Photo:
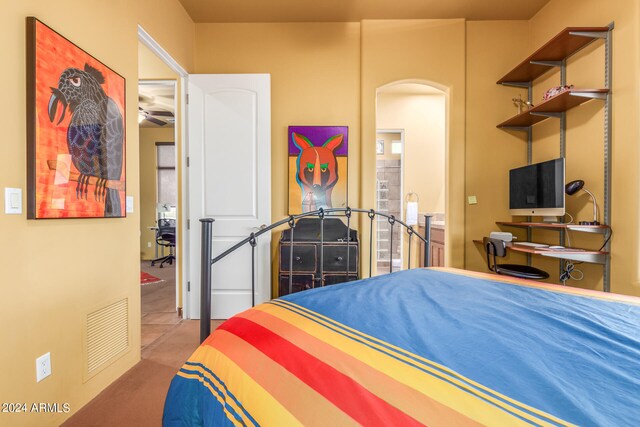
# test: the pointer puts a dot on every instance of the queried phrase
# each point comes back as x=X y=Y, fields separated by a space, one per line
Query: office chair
x=166 y=236
x=496 y=247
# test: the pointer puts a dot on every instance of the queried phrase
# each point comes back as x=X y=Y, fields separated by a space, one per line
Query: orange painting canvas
x=75 y=130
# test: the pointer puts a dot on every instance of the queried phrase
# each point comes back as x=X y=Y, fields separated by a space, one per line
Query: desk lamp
x=163 y=208
x=572 y=188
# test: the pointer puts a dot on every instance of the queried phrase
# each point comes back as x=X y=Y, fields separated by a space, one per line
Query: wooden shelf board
x=544 y=251
x=601 y=228
x=563 y=45
x=584 y=255
x=562 y=102
x=522 y=120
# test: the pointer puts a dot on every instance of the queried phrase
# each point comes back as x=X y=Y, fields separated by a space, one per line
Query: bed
x=437 y=347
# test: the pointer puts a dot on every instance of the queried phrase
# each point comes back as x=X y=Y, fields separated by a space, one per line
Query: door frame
x=182 y=234
x=402 y=195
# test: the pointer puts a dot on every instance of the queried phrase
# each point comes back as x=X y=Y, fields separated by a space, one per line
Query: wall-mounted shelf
x=575 y=254
x=567 y=42
x=554 y=55
x=552 y=107
x=600 y=229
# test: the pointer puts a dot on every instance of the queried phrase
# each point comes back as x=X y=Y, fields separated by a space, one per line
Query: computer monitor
x=537 y=189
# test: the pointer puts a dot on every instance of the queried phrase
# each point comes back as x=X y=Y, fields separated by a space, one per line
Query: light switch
x=473 y=200
x=129 y=204
x=13 y=201
x=16 y=201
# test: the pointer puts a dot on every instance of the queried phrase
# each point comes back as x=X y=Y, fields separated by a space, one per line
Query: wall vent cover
x=106 y=336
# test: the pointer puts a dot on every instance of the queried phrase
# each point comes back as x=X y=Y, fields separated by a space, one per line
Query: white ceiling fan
x=156 y=104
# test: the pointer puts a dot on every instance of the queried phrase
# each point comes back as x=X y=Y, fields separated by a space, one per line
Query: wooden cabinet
x=436 y=247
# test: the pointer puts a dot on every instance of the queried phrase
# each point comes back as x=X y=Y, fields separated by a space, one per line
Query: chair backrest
x=493 y=248
x=166 y=232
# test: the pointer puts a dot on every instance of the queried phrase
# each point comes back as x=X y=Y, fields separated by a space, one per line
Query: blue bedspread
x=538 y=354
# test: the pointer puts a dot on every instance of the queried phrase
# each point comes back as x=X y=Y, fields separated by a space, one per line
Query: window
x=167 y=181
x=396 y=147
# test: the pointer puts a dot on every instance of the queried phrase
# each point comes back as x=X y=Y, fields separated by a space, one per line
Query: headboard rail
x=207 y=261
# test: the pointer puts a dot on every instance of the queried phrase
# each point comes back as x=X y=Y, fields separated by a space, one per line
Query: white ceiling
x=215 y=11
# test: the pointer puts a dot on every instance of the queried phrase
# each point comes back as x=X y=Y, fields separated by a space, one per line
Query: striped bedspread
x=433 y=347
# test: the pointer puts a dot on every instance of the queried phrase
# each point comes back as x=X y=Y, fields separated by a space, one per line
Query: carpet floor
x=137 y=397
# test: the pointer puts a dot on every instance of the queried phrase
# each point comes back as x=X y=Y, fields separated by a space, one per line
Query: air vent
x=106 y=336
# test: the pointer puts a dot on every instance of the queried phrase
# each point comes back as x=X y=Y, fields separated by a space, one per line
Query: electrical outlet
x=148 y=244
x=473 y=200
x=43 y=367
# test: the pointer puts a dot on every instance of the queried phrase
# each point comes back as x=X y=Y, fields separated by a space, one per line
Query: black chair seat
x=521 y=271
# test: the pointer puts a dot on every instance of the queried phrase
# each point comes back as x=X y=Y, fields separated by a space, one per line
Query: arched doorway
x=410 y=168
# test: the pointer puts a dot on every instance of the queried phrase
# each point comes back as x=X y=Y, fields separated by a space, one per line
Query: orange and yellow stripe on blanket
x=346 y=377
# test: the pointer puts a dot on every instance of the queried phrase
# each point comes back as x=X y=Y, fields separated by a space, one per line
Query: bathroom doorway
x=389 y=190
x=410 y=170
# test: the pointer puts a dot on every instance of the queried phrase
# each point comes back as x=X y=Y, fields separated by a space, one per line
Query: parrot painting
x=95 y=136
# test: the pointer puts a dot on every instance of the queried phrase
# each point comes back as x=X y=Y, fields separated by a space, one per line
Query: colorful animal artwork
x=76 y=133
x=317 y=167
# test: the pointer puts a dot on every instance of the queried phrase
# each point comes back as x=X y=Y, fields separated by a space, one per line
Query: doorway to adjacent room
x=410 y=167
x=157 y=94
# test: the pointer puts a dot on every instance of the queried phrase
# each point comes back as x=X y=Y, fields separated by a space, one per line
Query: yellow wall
x=56 y=271
x=170 y=26
x=493 y=48
x=422 y=117
x=315 y=70
x=151 y=67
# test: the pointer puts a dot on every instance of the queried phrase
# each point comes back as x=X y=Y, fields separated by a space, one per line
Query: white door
x=229 y=132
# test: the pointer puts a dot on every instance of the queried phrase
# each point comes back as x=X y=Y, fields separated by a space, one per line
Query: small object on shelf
x=501 y=235
x=563 y=101
x=532 y=244
x=556 y=91
x=520 y=104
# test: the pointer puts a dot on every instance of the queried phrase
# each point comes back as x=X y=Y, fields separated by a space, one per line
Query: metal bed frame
x=207 y=261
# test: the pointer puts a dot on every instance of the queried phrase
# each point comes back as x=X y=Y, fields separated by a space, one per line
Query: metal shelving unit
x=554 y=55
